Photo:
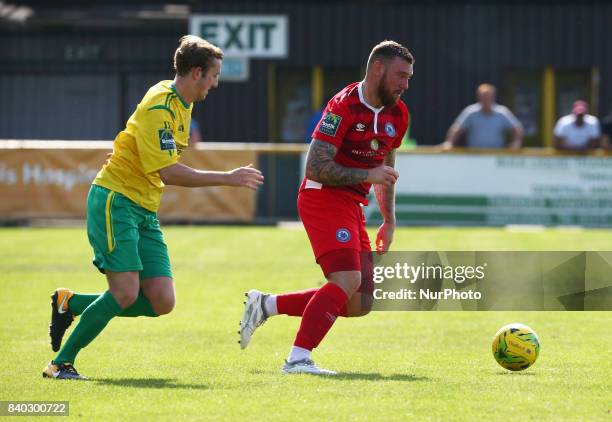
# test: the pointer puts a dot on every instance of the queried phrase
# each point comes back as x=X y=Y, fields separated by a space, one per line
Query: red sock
x=294 y=303
x=319 y=315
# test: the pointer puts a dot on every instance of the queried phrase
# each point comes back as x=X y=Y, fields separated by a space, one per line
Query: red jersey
x=364 y=135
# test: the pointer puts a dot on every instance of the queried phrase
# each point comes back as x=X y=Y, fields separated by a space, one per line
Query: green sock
x=79 y=302
x=92 y=322
x=142 y=307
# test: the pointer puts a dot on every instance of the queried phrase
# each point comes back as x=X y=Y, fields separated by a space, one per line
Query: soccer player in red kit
x=352 y=148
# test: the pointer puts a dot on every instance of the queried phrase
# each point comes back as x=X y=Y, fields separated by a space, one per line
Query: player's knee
x=124 y=287
x=164 y=304
x=361 y=305
x=125 y=297
x=349 y=281
x=366 y=290
x=360 y=313
x=353 y=284
x=366 y=307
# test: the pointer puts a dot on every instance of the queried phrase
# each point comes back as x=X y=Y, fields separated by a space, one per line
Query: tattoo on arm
x=385 y=195
x=321 y=167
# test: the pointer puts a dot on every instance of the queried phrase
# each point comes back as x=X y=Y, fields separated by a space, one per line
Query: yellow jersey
x=154 y=137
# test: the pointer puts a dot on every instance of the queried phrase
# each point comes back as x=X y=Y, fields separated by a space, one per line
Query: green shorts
x=124 y=235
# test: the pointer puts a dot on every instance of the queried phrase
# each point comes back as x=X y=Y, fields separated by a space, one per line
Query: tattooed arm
x=385 y=196
x=321 y=167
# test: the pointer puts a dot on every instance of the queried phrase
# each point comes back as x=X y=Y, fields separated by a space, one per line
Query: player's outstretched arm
x=182 y=175
x=385 y=196
x=321 y=167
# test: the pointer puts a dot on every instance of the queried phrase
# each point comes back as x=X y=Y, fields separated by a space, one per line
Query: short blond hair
x=194 y=51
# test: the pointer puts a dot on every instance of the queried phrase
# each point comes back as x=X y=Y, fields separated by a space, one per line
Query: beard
x=386 y=96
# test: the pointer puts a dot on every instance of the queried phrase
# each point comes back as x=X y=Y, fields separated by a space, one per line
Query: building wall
x=456 y=47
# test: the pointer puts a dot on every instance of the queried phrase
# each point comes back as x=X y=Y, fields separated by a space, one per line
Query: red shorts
x=335 y=225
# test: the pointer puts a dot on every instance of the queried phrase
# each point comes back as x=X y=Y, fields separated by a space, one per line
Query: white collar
x=364 y=102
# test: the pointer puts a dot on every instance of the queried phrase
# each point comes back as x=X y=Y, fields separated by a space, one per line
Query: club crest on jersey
x=329 y=124
x=374 y=144
x=390 y=129
x=343 y=235
x=166 y=139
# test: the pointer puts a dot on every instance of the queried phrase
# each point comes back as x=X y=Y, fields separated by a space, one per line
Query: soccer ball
x=516 y=347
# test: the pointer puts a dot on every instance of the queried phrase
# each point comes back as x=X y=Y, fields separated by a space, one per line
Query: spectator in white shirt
x=578 y=130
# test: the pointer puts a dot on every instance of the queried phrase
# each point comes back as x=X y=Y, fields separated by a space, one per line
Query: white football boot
x=254 y=315
x=305 y=366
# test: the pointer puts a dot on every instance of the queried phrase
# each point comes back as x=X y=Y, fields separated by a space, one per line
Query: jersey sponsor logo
x=374 y=144
x=365 y=154
x=343 y=235
x=360 y=127
x=330 y=123
x=166 y=139
x=390 y=129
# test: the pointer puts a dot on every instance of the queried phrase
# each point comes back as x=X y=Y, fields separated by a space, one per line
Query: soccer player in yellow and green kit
x=122 y=223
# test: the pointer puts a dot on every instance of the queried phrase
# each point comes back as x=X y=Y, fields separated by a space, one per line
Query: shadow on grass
x=365 y=376
x=517 y=373
x=149 y=383
x=375 y=376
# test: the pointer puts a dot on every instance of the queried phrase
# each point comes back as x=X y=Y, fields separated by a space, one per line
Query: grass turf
x=394 y=366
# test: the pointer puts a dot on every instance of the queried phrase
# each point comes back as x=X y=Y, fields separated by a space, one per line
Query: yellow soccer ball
x=516 y=347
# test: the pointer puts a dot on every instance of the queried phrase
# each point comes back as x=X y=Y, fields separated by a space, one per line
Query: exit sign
x=244 y=35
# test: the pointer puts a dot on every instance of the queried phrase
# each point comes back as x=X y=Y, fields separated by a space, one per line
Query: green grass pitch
x=423 y=366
